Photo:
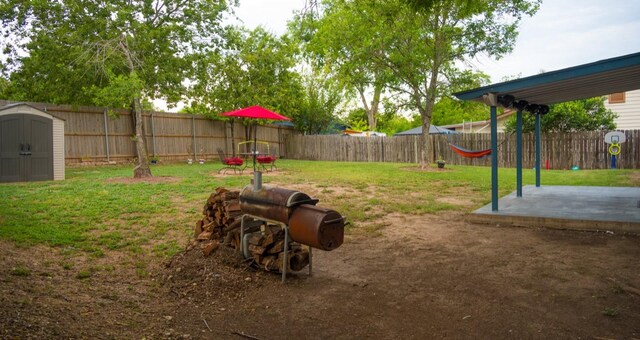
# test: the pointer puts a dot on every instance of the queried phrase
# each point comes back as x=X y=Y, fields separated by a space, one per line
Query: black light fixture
x=544 y=109
x=533 y=108
x=520 y=105
x=506 y=100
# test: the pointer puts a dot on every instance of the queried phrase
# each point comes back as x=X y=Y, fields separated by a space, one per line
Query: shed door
x=26 y=148
x=11 y=164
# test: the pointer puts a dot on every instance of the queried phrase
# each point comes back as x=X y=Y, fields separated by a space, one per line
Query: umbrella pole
x=255 y=144
x=257 y=175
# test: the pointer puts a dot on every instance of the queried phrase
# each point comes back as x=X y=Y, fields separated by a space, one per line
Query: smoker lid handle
x=335 y=220
x=312 y=201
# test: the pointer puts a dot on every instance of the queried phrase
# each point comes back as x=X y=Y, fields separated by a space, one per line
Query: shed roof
x=599 y=78
x=26 y=108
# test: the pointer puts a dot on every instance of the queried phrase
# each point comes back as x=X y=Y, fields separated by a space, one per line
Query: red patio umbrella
x=256 y=112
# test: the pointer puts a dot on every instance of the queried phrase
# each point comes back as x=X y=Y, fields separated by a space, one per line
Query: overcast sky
x=563 y=33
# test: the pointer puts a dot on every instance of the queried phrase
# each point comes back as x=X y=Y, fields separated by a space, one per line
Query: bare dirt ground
x=430 y=276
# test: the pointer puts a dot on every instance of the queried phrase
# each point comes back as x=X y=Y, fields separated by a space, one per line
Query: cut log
x=230 y=195
x=198 y=229
x=205 y=235
x=209 y=247
x=209 y=226
x=270 y=263
x=257 y=258
x=256 y=249
x=211 y=212
x=299 y=260
x=232 y=207
x=277 y=247
x=236 y=224
x=256 y=239
x=267 y=240
x=280 y=260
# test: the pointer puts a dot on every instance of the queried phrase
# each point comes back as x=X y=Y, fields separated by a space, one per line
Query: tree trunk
x=142 y=170
x=426 y=157
x=372 y=111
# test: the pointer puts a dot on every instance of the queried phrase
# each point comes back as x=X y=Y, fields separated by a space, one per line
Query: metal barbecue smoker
x=295 y=212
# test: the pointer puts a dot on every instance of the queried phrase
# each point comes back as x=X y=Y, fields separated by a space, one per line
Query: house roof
x=418 y=131
x=599 y=78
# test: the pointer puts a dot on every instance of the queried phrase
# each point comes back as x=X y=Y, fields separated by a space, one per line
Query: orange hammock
x=470 y=153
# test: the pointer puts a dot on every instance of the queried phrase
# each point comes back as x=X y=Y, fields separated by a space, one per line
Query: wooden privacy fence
x=586 y=150
x=91 y=135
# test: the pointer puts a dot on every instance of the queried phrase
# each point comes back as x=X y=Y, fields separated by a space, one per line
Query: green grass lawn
x=91 y=212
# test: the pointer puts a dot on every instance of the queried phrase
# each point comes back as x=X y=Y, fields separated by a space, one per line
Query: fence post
x=106 y=136
x=193 y=129
x=226 y=137
x=153 y=134
x=280 y=144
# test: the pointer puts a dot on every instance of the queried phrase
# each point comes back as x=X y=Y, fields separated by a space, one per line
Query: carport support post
x=494 y=159
x=519 y=153
x=537 y=150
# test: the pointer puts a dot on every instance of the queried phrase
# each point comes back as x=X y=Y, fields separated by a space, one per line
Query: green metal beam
x=607 y=67
x=519 y=153
x=494 y=158
x=537 y=150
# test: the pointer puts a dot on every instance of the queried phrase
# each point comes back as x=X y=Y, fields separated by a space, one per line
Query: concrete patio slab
x=614 y=209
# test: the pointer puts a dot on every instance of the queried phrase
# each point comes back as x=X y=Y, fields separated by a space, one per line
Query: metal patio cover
x=619 y=74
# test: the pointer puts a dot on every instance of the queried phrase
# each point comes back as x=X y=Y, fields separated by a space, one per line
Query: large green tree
x=390 y=120
x=340 y=43
x=112 y=52
x=319 y=105
x=578 y=115
x=449 y=110
x=251 y=68
x=421 y=44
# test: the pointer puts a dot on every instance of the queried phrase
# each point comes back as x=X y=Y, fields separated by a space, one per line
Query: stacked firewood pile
x=221 y=225
x=266 y=248
x=221 y=213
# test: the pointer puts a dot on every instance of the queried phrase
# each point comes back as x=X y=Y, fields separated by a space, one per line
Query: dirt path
x=424 y=277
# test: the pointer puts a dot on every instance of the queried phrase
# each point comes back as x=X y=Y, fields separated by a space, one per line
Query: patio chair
x=267 y=160
x=230 y=163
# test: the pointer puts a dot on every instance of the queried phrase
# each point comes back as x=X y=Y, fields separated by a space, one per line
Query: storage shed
x=31 y=144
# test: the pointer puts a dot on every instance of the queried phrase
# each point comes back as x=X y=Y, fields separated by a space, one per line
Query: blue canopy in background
x=433 y=129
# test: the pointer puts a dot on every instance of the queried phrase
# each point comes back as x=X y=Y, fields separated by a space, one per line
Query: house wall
x=628 y=112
